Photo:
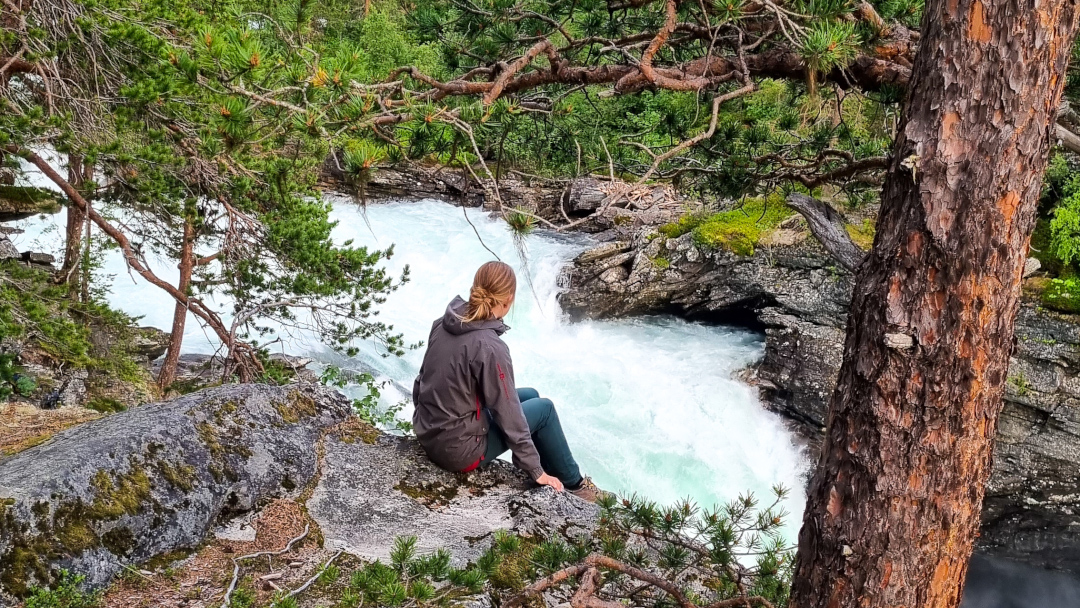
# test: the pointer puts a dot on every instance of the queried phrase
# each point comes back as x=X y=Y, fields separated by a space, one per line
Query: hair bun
x=482 y=296
x=493 y=285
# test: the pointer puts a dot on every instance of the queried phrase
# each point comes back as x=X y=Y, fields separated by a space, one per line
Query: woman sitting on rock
x=468 y=410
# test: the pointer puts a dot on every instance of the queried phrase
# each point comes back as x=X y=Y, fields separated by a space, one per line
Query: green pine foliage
x=39 y=314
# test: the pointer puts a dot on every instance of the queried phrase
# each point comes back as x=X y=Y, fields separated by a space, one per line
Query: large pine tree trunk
x=167 y=373
x=893 y=507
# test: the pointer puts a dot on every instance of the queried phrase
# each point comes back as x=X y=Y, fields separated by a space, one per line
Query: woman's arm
x=497 y=391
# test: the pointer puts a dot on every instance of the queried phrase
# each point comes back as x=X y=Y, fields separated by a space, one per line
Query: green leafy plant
x=67 y=594
x=1019 y=382
x=829 y=44
x=1062 y=295
x=1065 y=223
x=368 y=407
x=520 y=222
x=410 y=576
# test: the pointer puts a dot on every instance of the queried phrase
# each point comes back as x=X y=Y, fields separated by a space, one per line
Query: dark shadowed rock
x=150 y=342
x=375 y=488
x=21 y=202
x=799 y=296
x=154 y=479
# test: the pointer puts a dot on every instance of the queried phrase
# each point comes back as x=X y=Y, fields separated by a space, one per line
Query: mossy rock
x=20 y=202
x=737 y=230
x=862 y=235
x=122 y=489
x=715 y=236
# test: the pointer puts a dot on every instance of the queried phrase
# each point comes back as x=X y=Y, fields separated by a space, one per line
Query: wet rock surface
x=793 y=291
x=155 y=479
x=375 y=488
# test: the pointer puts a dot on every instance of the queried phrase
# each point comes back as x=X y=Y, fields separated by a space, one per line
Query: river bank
x=792 y=292
x=796 y=293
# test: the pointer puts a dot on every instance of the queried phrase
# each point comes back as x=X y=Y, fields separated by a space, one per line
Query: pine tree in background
x=197 y=167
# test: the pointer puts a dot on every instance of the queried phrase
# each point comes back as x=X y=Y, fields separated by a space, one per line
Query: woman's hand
x=548 y=480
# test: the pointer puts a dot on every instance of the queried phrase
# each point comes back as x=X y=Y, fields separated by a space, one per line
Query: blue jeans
x=547 y=436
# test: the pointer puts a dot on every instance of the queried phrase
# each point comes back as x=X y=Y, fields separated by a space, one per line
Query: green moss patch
x=105 y=405
x=210 y=438
x=738 y=230
x=355 y=429
x=219 y=446
x=118 y=495
x=862 y=235
x=297 y=407
x=119 y=541
x=70 y=527
x=180 y=475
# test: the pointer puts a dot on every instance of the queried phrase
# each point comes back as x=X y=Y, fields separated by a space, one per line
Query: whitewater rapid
x=649 y=405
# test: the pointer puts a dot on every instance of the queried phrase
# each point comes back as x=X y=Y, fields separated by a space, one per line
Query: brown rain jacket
x=467 y=368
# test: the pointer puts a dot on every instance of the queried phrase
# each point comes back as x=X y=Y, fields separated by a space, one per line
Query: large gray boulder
x=153 y=480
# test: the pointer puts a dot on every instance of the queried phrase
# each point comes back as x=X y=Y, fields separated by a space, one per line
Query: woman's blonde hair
x=494 y=284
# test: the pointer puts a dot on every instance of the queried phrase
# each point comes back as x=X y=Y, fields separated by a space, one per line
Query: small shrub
x=367 y=408
x=67 y=594
x=329 y=575
x=520 y=222
x=1020 y=383
x=23 y=385
x=1062 y=295
x=242 y=598
x=285 y=602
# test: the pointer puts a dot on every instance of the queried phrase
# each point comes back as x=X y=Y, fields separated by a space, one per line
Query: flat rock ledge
x=155 y=479
x=375 y=488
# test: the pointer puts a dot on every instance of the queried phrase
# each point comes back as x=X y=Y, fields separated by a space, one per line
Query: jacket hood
x=457 y=309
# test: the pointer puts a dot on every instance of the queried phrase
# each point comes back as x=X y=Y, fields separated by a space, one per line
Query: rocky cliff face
x=793 y=290
x=589 y=204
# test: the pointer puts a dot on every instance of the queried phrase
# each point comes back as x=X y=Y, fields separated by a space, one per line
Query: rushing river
x=649 y=405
